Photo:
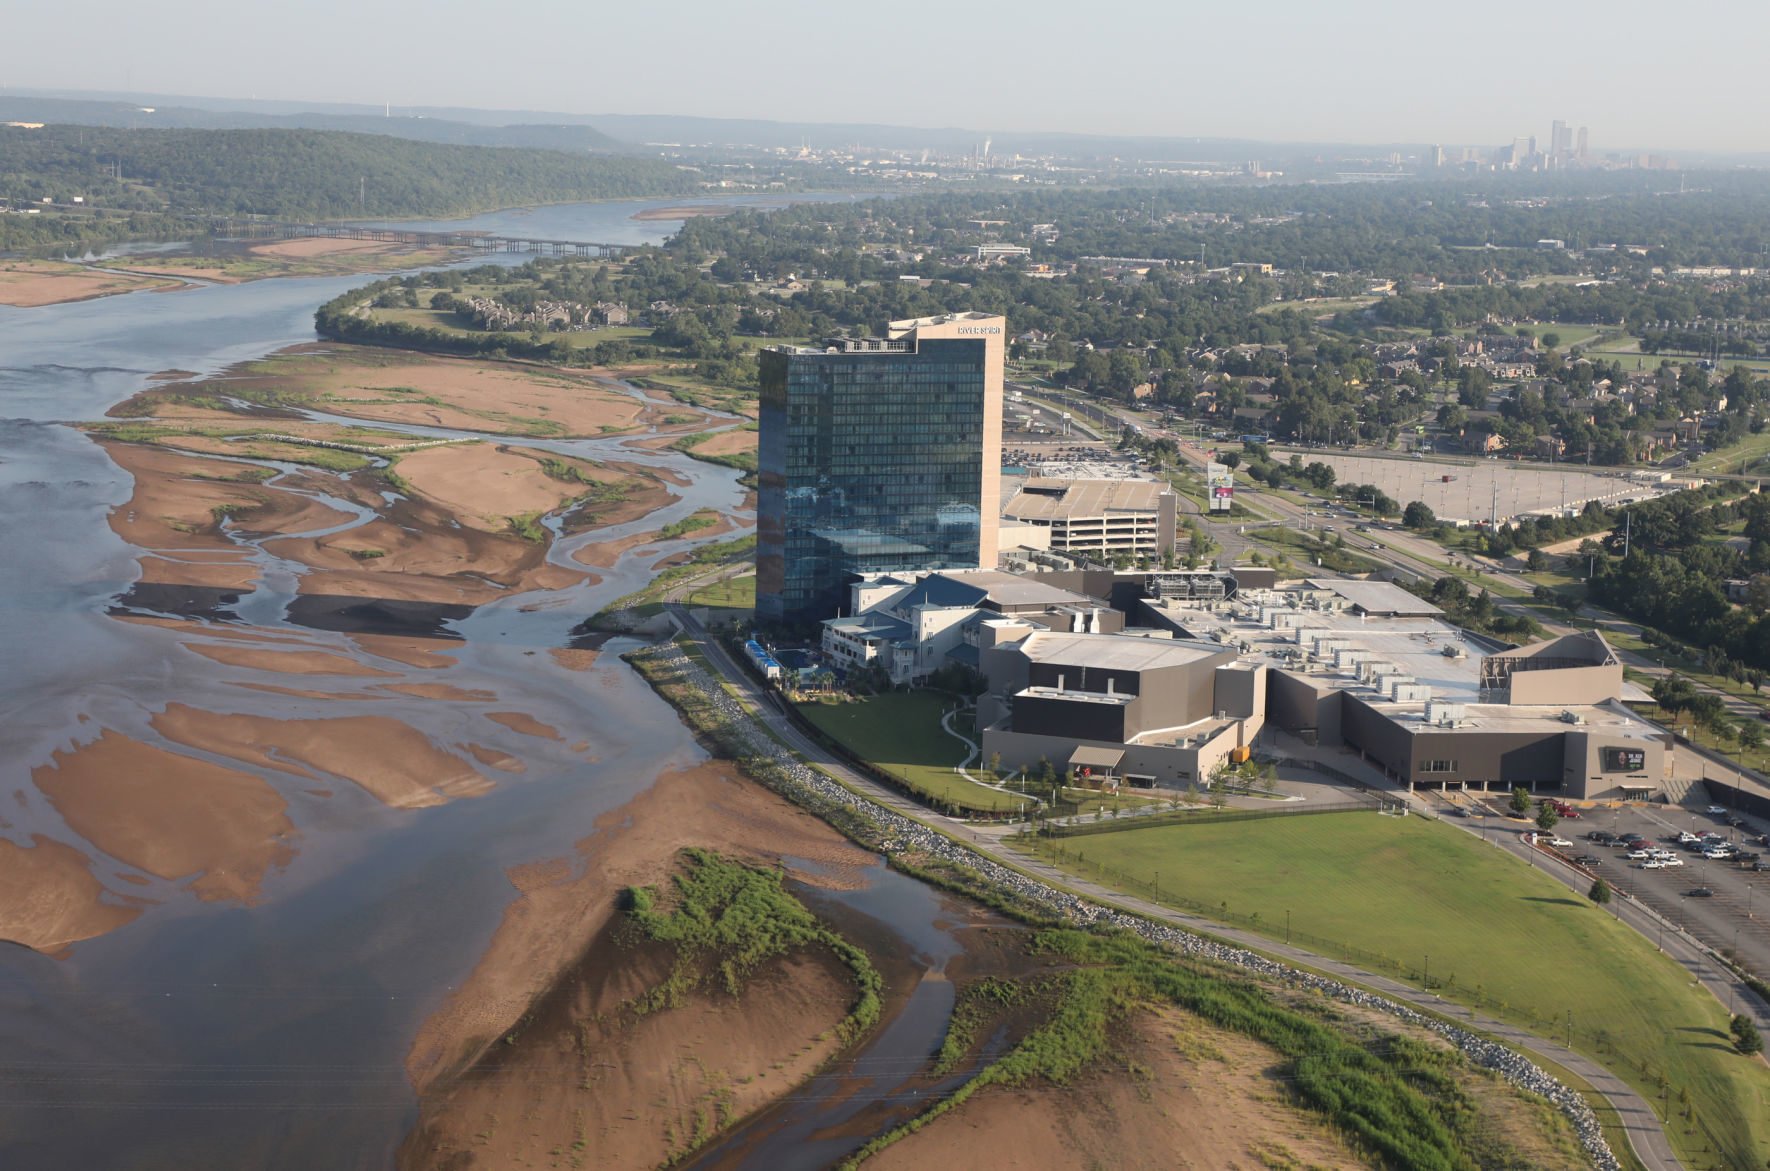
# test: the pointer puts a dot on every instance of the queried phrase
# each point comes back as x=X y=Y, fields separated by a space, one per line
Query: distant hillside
x=307 y=173
x=132 y=116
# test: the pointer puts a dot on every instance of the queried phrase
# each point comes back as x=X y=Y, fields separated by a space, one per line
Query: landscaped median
x=1427 y=902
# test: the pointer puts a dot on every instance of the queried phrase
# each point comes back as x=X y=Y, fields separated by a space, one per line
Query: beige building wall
x=1566 y=686
x=993 y=332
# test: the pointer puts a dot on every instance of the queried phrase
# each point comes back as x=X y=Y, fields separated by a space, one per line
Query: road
x=1642 y=1125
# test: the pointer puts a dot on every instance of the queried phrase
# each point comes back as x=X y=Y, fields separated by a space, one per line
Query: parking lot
x=1737 y=916
x=1471 y=492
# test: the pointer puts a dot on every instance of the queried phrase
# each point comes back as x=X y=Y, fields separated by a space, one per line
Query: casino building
x=877 y=455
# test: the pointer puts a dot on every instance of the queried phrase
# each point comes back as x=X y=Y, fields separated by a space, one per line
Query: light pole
x=1426 y=974
x=1287 y=926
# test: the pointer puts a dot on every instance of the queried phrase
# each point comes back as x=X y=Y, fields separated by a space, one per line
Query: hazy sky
x=1678 y=74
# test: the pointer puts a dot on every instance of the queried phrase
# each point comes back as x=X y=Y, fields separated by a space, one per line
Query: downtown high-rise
x=877 y=455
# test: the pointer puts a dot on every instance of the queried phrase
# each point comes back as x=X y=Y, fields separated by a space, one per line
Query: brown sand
x=496 y=758
x=394 y=762
x=286 y=662
x=171 y=815
x=321 y=246
x=683 y=213
x=484 y=485
x=1201 y=1097
x=52 y=898
x=630 y=1089
x=524 y=723
x=573 y=658
x=26 y=284
x=439 y=691
x=729 y=443
x=604 y=554
x=300 y=692
x=550 y=924
x=427 y=653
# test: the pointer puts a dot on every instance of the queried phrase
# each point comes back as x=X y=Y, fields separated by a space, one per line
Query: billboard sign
x=1622 y=760
x=1219 y=486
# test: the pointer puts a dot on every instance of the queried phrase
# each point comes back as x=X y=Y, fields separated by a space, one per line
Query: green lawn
x=1492 y=931
x=731 y=593
x=900 y=732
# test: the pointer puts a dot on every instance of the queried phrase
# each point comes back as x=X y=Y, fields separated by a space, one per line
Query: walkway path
x=1638 y=1119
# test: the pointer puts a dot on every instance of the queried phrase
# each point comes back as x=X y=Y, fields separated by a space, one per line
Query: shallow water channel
x=218 y=1034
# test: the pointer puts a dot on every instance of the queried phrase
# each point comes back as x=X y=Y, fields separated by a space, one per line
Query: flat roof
x=1085 y=757
x=1378 y=597
x=1011 y=589
x=1115 y=652
x=1042 y=498
x=1413 y=646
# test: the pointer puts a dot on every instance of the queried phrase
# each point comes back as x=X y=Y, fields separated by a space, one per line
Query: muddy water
x=211 y=1034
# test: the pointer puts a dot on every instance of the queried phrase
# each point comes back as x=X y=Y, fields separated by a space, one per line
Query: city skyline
x=1374 y=73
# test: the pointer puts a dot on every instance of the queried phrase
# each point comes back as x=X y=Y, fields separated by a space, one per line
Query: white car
x=1671 y=861
x=1717 y=853
x=1559 y=842
x=1686 y=837
x=1717 y=811
x=1662 y=854
x=1638 y=855
x=1653 y=864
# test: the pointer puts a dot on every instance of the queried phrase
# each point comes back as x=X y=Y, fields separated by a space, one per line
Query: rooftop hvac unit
x=1572 y=717
x=1390 y=684
x=1438 y=712
x=1453 y=651
x=1412 y=692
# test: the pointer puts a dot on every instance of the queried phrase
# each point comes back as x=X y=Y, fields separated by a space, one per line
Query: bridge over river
x=257 y=229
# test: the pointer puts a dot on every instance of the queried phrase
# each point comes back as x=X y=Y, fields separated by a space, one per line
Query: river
x=210 y=1034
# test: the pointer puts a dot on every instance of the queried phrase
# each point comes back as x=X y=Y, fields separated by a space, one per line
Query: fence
x=1207 y=817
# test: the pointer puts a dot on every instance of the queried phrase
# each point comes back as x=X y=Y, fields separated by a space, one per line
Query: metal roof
x=1378 y=598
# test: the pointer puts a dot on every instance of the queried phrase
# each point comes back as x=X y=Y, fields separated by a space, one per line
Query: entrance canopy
x=1103 y=758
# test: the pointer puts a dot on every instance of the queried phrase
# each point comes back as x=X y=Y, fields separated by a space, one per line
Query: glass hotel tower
x=876 y=455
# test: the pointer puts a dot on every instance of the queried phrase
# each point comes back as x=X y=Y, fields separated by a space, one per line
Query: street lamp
x=1287 y=926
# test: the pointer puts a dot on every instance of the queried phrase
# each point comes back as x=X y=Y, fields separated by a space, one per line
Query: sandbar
x=52 y=898
x=171 y=815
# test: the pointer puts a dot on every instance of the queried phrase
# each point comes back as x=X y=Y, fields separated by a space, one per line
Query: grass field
x=900 y=732
x=731 y=593
x=1492 y=932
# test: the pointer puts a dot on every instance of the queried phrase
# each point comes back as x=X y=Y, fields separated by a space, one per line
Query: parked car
x=1589 y=860
x=1717 y=853
x=1686 y=837
x=1600 y=835
x=1559 y=842
x=1761 y=865
x=1671 y=861
x=1700 y=892
x=1652 y=864
x=1637 y=855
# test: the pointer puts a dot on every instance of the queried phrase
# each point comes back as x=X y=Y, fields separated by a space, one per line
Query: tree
x=1746 y=1040
x=1520 y=801
x=1751 y=736
x=1600 y=892
x=1230 y=459
x=1418 y=516
x=1546 y=817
